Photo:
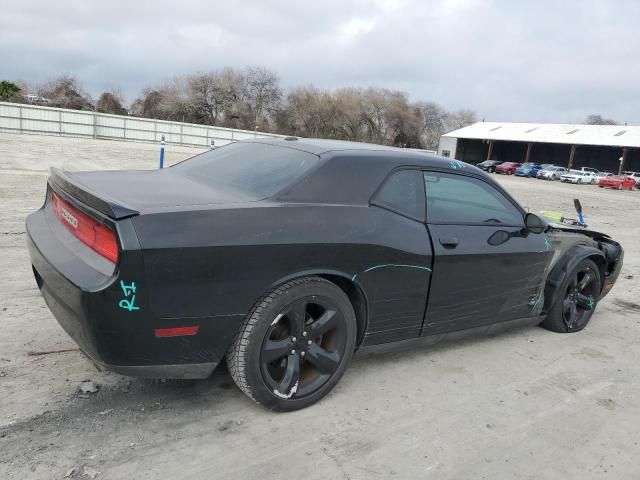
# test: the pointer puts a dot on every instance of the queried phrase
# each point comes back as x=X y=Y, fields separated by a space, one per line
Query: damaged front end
x=571 y=245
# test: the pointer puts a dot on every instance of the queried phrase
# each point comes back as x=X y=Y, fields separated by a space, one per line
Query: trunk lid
x=125 y=193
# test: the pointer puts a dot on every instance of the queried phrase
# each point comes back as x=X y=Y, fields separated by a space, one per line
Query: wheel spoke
x=327 y=321
x=324 y=361
x=573 y=314
x=586 y=280
x=275 y=349
x=290 y=381
x=574 y=282
x=297 y=315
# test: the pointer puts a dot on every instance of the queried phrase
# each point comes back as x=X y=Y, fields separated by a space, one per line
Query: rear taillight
x=88 y=230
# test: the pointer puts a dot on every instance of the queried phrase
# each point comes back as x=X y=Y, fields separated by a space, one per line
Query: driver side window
x=453 y=199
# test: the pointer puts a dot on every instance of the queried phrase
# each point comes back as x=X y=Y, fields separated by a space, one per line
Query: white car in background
x=601 y=175
x=595 y=171
x=551 y=173
x=578 y=177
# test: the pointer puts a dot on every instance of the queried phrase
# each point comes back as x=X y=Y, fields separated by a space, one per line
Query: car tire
x=579 y=182
x=619 y=187
x=576 y=303
x=295 y=344
x=491 y=170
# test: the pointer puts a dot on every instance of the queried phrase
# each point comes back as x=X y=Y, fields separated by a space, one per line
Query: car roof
x=352 y=171
x=322 y=147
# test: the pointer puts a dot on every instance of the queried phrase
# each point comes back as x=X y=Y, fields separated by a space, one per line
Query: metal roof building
x=572 y=145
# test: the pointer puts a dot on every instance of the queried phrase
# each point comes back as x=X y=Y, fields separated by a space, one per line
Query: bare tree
x=252 y=99
x=599 y=120
x=262 y=96
x=214 y=94
x=111 y=102
x=350 y=124
x=308 y=112
x=460 y=119
x=433 y=123
x=66 y=92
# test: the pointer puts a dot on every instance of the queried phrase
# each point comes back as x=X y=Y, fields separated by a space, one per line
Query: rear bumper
x=180 y=372
x=85 y=303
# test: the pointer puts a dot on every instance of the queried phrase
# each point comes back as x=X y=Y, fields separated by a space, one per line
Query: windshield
x=257 y=169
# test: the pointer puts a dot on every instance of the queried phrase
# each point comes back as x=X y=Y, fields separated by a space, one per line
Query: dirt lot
x=526 y=404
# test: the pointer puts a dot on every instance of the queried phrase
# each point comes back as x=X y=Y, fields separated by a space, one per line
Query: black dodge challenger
x=285 y=256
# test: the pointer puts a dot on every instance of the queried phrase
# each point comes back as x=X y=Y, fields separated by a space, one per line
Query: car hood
x=152 y=189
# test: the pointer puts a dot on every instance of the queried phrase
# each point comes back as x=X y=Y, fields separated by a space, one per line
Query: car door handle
x=449 y=242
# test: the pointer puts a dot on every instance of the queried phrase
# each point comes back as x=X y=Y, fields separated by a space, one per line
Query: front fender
x=564 y=266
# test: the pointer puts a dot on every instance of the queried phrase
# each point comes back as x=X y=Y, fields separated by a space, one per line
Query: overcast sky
x=553 y=61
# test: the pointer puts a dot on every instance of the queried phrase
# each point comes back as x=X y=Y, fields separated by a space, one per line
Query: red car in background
x=508 y=168
x=619 y=182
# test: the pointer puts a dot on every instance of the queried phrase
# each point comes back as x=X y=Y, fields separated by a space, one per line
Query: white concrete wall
x=20 y=118
x=448 y=143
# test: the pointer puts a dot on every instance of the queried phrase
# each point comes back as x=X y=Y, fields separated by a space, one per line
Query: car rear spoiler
x=64 y=181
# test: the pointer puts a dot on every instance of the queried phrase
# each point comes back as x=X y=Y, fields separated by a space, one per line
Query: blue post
x=161 y=151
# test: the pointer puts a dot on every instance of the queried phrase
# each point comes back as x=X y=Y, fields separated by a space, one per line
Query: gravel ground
x=525 y=404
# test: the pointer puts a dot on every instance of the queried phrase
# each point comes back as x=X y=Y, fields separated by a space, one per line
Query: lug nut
x=302 y=354
x=293 y=352
x=309 y=342
x=293 y=339
x=304 y=334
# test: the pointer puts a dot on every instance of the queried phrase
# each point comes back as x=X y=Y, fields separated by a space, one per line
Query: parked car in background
x=579 y=177
x=508 y=168
x=525 y=169
x=619 y=182
x=601 y=175
x=489 y=165
x=635 y=176
x=586 y=169
x=551 y=173
x=538 y=168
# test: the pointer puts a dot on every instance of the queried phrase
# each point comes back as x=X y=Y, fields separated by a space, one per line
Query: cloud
x=534 y=61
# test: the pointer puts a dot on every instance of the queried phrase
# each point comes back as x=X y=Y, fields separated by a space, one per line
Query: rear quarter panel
x=219 y=262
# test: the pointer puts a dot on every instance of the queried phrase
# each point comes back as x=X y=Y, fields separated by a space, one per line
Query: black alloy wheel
x=295 y=344
x=577 y=300
x=580 y=297
x=303 y=347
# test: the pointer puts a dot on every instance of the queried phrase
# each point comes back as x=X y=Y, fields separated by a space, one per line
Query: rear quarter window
x=403 y=192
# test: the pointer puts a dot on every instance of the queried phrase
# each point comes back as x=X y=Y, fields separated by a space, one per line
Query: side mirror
x=534 y=223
